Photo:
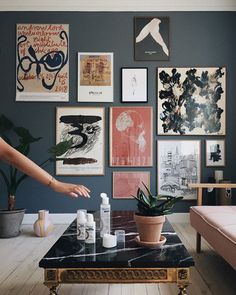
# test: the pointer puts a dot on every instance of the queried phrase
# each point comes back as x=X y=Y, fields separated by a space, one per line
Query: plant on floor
x=21 y=139
x=150 y=205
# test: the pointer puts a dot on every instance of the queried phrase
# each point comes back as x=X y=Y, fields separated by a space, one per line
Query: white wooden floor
x=20 y=274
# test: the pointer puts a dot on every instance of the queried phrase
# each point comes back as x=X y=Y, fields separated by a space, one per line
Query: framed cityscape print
x=126 y=184
x=215 y=152
x=151 y=41
x=95 y=77
x=178 y=164
x=191 y=101
x=134 y=84
x=85 y=127
x=42 y=62
x=131 y=136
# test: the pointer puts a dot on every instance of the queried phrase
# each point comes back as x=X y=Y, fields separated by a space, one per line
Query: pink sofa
x=217 y=224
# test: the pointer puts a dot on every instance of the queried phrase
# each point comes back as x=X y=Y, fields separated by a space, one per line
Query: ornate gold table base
x=56 y=276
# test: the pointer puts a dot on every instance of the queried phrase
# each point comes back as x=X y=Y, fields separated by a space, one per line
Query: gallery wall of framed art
x=123 y=91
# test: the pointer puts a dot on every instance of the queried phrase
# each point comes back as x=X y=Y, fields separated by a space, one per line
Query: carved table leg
x=182 y=290
x=53 y=290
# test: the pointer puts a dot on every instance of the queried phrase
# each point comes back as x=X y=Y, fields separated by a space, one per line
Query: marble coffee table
x=70 y=261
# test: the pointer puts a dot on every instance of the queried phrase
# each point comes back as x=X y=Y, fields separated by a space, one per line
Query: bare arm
x=18 y=160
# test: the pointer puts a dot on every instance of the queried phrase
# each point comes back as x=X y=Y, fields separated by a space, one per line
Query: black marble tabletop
x=68 y=252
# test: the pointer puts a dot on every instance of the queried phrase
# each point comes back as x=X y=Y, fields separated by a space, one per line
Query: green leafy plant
x=21 y=139
x=150 y=205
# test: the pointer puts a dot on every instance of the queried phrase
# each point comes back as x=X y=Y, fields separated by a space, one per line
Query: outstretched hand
x=70 y=189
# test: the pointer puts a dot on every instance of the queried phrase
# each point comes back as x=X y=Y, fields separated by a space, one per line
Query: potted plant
x=150 y=215
x=21 y=139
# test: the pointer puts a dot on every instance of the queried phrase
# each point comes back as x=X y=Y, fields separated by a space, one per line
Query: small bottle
x=81 y=222
x=90 y=235
x=105 y=215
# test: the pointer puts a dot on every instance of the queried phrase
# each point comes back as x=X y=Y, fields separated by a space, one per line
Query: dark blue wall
x=199 y=39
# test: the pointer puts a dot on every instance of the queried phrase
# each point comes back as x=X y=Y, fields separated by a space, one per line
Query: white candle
x=218 y=175
x=109 y=241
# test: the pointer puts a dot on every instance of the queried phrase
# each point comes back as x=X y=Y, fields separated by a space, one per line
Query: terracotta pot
x=149 y=227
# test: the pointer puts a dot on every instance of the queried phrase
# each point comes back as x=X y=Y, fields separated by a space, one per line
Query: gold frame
x=55 y=276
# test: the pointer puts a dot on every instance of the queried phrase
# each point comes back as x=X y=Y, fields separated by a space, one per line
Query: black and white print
x=151 y=38
x=178 y=165
x=215 y=152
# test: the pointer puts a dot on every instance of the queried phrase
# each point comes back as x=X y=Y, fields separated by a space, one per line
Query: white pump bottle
x=105 y=215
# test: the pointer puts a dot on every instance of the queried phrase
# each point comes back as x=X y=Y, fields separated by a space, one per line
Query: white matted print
x=134 y=84
x=126 y=184
x=42 y=62
x=215 y=152
x=191 y=101
x=178 y=165
x=85 y=126
x=95 y=76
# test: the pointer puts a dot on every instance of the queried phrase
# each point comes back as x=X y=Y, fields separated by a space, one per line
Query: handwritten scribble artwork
x=151 y=38
x=191 y=101
x=178 y=165
x=126 y=184
x=134 y=84
x=95 y=77
x=42 y=67
x=131 y=136
x=215 y=152
x=85 y=127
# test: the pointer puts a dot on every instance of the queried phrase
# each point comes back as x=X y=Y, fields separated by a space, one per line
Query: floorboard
x=20 y=274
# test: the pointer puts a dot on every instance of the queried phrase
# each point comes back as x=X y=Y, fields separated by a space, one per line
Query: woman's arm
x=24 y=164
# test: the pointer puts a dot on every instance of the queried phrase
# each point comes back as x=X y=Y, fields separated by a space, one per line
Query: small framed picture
x=151 y=40
x=215 y=152
x=126 y=184
x=134 y=84
x=95 y=77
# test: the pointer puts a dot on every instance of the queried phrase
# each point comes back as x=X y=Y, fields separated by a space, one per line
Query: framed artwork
x=191 y=101
x=85 y=126
x=151 y=38
x=131 y=136
x=134 y=84
x=215 y=152
x=42 y=62
x=126 y=184
x=95 y=77
x=178 y=164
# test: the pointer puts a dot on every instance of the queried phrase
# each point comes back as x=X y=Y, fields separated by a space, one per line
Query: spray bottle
x=105 y=215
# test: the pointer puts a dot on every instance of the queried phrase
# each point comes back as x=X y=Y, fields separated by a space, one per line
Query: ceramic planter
x=149 y=227
x=10 y=222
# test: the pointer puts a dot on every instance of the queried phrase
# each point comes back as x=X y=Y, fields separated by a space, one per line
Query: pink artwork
x=131 y=136
x=126 y=184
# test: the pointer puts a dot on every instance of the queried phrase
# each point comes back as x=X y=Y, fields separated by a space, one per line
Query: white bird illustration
x=152 y=28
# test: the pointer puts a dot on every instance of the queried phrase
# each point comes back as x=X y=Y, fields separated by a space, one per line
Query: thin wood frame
x=92 y=162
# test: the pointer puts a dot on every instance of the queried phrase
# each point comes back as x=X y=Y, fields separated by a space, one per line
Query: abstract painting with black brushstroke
x=85 y=127
x=191 y=101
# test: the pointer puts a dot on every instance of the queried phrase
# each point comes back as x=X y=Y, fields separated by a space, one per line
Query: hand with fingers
x=70 y=189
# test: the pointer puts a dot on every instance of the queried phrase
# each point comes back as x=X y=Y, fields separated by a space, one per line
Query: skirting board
x=56 y=218
x=67 y=218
